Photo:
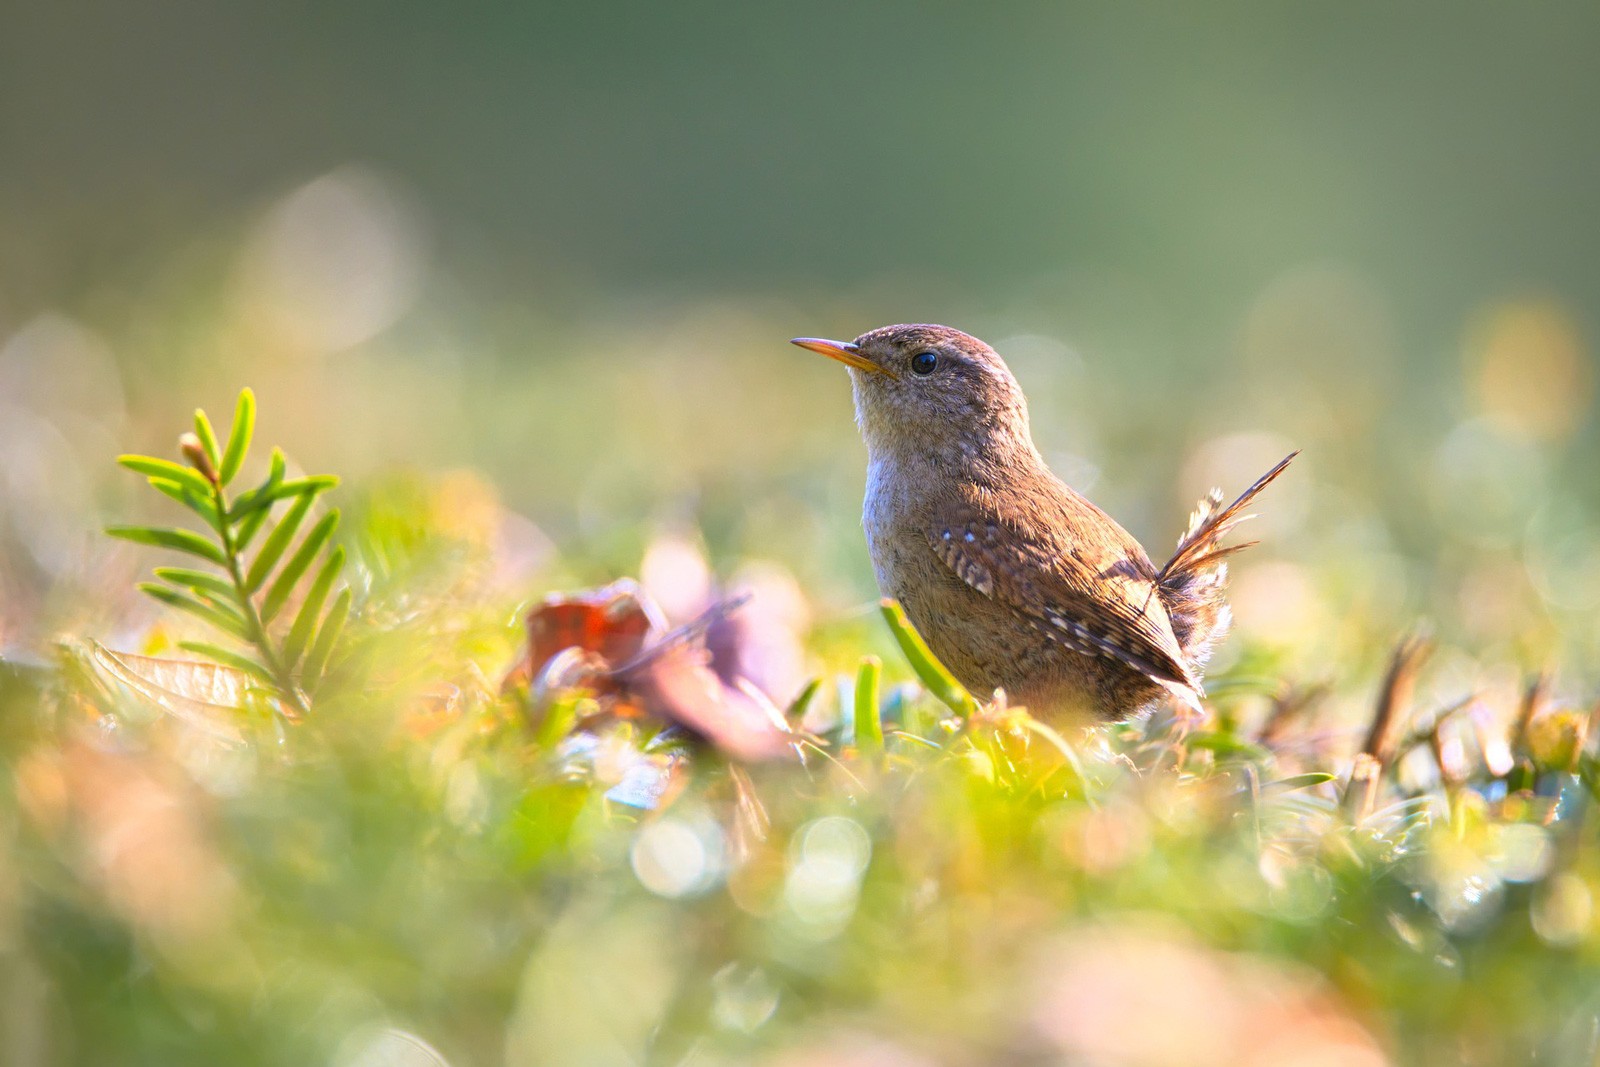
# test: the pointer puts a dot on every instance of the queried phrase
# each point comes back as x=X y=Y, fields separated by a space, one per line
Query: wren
x=1016 y=581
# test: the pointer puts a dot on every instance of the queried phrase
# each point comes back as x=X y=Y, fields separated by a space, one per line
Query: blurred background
x=550 y=255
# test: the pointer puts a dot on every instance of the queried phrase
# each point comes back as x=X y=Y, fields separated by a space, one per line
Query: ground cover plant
x=345 y=802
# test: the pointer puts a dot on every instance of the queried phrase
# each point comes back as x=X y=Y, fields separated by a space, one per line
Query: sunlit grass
x=442 y=851
x=430 y=861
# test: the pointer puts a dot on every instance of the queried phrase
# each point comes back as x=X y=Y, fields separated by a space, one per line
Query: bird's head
x=930 y=390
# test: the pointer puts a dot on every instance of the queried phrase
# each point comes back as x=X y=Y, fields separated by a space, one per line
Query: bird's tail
x=1195 y=580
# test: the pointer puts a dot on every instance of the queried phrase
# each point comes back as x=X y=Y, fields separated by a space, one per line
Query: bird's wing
x=1090 y=597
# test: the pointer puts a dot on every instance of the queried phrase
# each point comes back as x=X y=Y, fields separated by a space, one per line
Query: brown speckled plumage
x=1016 y=581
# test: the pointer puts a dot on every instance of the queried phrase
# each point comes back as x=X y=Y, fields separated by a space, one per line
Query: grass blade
x=1301 y=781
x=868 y=723
x=276 y=542
x=802 y=702
x=244 y=426
x=177 y=540
x=933 y=674
x=1228 y=746
x=284 y=583
x=306 y=620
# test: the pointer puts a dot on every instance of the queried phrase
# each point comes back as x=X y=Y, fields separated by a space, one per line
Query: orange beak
x=844 y=352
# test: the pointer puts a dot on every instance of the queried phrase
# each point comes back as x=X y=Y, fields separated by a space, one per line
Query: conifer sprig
x=244 y=595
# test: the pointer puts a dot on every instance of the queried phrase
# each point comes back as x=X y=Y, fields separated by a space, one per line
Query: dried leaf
x=1394 y=696
x=205 y=695
x=612 y=643
x=615 y=622
x=571 y=668
x=678 y=686
x=763 y=642
x=610 y=625
x=751 y=823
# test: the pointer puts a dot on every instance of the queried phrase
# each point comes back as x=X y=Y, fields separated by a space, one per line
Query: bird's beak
x=844 y=352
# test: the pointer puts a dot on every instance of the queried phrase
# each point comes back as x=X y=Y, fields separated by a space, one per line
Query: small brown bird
x=1016 y=581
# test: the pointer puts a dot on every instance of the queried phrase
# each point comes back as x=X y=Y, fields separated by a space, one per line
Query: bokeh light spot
x=673 y=859
x=1532 y=374
x=335 y=263
x=387 y=1047
x=824 y=883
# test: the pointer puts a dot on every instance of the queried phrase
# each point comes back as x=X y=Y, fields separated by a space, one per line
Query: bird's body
x=1016 y=581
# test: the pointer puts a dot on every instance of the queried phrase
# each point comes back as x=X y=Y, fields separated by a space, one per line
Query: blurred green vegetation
x=415 y=873
x=523 y=277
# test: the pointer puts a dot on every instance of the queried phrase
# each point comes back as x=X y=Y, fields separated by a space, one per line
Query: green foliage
x=244 y=427
x=961 y=889
x=289 y=660
x=866 y=713
x=940 y=880
x=933 y=674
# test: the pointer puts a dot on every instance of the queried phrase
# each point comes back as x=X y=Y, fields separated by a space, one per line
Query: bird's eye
x=924 y=362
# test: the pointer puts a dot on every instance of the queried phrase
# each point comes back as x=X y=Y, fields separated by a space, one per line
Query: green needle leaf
x=179 y=540
x=211 y=612
x=300 y=632
x=802 y=702
x=209 y=585
x=284 y=583
x=248 y=528
x=154 y=468
x=270 y=493
x=208 y=436
x=276 y=542
x=327 y=638
x=200 y=505
x=244 y=426
x=246 y=531
x=231 y=659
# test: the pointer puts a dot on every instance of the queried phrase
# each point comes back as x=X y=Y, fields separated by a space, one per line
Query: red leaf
x=612 y=642
x=614 y=622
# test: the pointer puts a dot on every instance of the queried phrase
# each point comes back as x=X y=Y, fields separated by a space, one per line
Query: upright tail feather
x=1194 y=582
